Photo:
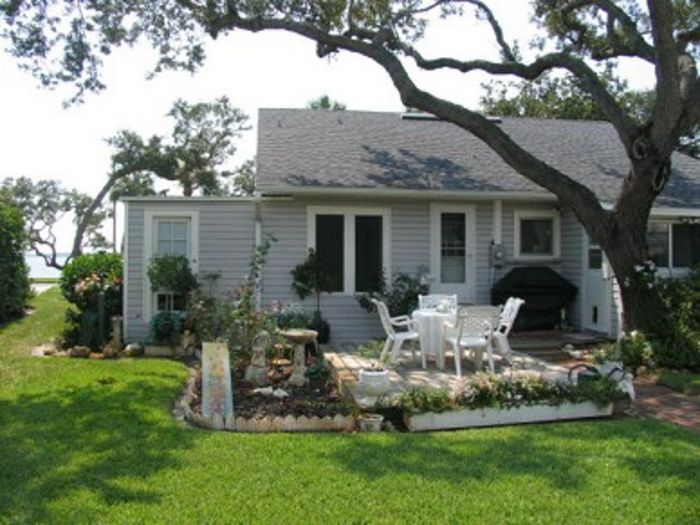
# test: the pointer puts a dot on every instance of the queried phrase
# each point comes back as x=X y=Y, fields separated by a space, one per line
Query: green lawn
x=682 y=381
x=93 y=441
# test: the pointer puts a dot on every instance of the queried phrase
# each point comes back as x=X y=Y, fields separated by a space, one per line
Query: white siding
x=226 y=239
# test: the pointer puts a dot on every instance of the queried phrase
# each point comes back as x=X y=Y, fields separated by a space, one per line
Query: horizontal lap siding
x=134 y=328
x=226 y=242
x=484 y=238
x=572 y=261
x=226 y=239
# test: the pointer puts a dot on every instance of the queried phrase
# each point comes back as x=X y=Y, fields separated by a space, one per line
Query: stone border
x=487 y=417
x=183 y=411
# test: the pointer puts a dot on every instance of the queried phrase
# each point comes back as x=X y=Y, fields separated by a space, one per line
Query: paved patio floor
x=408 y=374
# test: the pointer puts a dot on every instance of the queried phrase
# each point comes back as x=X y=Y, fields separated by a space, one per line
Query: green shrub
x=635 y=351
x=401 y=297
x=81 y=282
x=89 y=274
x=166 y=327
x=14 y=274
x=676 y=337
x=172 y=273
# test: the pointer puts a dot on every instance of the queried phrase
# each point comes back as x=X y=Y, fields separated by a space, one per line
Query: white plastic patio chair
x=395 y=339
x=473 y=333
x=505 y=325
x=431 y=302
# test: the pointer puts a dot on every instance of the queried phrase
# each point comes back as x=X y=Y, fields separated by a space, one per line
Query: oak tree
x=65 y=41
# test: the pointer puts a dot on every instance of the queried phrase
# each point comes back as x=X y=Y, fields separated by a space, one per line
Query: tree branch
x=625 y=126
x=88 y=215
x=573 y=194
x=667 y=109
x=506 y=50
x=636 y=45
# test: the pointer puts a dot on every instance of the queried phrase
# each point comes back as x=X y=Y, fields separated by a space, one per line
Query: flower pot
x=374 y=381
x=371 y=422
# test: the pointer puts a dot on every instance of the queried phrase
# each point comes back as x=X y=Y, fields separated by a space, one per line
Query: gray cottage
x=375 y=192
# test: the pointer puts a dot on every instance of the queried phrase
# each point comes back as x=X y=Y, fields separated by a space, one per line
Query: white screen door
x=453 y=241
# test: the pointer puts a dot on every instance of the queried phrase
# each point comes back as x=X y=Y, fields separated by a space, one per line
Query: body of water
x=38 y=268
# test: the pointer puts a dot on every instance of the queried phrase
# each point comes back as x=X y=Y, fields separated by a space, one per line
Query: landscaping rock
x=110 y=350
x=79 y=351
x=132 y=350
x=46 y=349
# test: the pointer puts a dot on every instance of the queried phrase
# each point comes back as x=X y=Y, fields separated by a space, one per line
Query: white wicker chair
x=431 y=302
x=394 y=339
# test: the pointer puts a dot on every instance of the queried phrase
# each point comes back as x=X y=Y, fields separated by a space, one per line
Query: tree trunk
x=623 y=238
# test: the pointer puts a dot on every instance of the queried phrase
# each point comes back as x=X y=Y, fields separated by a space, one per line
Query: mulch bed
x=319 y=397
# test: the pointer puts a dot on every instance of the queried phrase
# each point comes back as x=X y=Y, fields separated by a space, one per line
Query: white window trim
x=150 y=217
x=349 y=214
x=519 y=215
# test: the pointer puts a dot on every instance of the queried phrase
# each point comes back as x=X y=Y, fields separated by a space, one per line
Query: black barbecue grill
x=545 y=293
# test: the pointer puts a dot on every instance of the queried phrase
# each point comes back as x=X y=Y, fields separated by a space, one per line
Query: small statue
x=256 y=371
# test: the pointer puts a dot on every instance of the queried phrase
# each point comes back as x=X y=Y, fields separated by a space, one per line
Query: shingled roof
x=306 y=149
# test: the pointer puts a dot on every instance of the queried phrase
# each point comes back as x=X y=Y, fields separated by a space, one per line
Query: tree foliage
x=65 y=41
x=326 y=103
x=194 y=154
x=14 y=274
x=44 y=203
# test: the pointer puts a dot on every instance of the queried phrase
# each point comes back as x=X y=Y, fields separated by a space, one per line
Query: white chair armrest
x=400 y=319
x=450 y=326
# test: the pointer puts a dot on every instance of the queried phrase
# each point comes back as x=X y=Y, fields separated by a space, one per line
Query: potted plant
x=311 y=278
x=170 y=274
x=374 y=377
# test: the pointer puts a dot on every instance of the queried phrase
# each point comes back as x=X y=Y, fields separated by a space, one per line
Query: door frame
x=469 y=210
x=606 y=276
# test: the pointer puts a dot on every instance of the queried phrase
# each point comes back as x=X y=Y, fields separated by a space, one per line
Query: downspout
x=258 y=242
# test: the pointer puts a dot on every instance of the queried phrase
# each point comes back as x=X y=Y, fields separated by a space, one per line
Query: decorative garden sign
x=217 y=399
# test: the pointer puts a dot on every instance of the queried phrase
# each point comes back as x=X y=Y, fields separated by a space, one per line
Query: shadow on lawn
x=565 y=455
x=86 y=439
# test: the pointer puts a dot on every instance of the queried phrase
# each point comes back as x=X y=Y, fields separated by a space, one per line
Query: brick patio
x=662 y=403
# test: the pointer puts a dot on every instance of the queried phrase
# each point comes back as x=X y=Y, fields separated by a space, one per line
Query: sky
x=39 y=138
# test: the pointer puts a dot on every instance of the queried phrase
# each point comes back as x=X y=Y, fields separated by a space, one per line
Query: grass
x=685 y=382
x=44 y=280
x=93 y=441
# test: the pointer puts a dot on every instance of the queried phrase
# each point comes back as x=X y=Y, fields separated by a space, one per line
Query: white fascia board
x=422 y=194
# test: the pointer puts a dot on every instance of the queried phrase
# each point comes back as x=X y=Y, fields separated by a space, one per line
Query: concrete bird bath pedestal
x=299 y=338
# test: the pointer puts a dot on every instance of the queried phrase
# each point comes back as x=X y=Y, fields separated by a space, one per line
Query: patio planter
x=370 y=422
x=374 y=381
x=487 y=417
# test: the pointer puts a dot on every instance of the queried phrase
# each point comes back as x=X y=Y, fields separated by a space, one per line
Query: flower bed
x=314 y=407
x=489 y=399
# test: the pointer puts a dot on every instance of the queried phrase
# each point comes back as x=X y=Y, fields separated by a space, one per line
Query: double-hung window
x=170 y=232
x=172 y=238
x=352 y=245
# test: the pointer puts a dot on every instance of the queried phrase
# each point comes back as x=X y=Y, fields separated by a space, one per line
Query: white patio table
x=431 y=327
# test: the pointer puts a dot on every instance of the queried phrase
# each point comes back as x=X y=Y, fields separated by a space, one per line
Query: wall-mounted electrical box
x=498 y=255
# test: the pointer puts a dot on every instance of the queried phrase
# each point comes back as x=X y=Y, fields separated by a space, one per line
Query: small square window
x=537 y=236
